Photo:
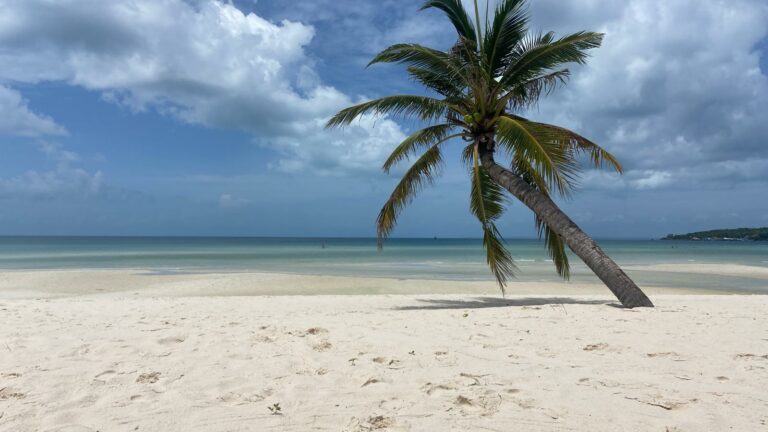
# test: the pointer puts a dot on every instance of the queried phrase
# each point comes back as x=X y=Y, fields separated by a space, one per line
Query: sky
x=204 y=117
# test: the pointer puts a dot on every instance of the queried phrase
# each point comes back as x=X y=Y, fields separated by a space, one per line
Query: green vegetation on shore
x=753 y=234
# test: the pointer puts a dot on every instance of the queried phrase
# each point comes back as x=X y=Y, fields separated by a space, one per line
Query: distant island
x=738 y=234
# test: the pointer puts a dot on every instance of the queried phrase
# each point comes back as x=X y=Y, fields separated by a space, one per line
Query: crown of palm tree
x=492 y=74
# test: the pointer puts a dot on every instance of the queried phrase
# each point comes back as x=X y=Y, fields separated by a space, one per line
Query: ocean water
x=451 y=259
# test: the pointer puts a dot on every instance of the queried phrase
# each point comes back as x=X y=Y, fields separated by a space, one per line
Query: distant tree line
x=753 y=234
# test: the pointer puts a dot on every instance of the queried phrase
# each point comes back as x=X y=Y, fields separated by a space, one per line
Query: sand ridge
x=150 y=283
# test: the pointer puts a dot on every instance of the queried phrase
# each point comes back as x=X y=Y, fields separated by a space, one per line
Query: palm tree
x=493 y=73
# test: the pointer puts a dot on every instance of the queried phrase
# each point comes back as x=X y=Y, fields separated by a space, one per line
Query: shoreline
x=154 y=283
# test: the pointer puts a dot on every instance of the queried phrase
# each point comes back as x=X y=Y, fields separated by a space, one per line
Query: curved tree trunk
x=580 y=243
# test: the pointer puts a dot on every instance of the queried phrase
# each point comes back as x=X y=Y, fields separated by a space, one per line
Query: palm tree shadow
x=495 y=302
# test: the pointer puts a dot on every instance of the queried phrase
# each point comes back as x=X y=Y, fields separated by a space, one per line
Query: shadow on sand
x=495 y=302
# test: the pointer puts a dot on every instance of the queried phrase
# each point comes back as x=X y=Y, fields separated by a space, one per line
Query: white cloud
x=204 y=63
x=676 y=91
x=64 y=179
x=18 y=119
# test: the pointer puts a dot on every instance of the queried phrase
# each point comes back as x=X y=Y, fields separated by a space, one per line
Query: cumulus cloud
x=204 y=62
x=65 y=179
x=676 y=90
x=18 y=119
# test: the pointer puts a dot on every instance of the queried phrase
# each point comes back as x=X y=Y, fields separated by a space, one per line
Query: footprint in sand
x=660 y=402
x=390 y=363
x=103 y=377
x=595 y=383
x=372 y=381
x=751 y=357
x=486 y=404
x=148 y=378
x=7 y=393
x=263 y=339
x=473 y=380
x=81 y=351
x=670 y=354
x=322 y=346
x=170 y=340
x=596 y=347
x=369 y=424
x=430 y=388
x=105 y=373
x=314 y=331
x=239 y=398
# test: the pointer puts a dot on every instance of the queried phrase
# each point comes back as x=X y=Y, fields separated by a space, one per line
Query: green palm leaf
x=415 y=55
x=551 y=158
x=427 y=137
x=555 y=247
x=509 y=25
x=487 y=204
x=599 y=156
x=425 y=108
x=540 y=54
x=528 y=93
x=421 y=173
x=441 y=83
x=457 y=14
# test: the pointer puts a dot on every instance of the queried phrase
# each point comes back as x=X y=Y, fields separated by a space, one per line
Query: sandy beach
x=166 y=356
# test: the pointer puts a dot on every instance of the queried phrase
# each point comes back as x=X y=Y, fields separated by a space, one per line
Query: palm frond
x=421 y=173
x=468 y=156
x=538 y=55
x=556 y=248
x=441 y=83
x=457 y=14
x=528 y=93
x=426 y=108
x=599 y=156
x=487 y=199
x=522 y=166
x=422 y=57
x=509 y=25
x=476 y=77
x=428 y=137
x=487 y=204
x=497 y=256
x=552 y=159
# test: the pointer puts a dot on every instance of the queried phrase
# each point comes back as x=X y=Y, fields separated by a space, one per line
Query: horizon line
x=282 y=237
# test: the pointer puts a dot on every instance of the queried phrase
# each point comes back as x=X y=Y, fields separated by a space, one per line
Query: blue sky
x=172 y=117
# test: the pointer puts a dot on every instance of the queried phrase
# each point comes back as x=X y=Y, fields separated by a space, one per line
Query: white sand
x=114 y=361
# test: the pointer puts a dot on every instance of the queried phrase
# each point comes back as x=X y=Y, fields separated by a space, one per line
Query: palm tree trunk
x=580 y=243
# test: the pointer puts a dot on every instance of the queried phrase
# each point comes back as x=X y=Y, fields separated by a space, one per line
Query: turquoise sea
x=453 y=259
